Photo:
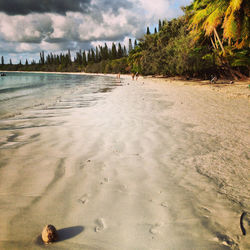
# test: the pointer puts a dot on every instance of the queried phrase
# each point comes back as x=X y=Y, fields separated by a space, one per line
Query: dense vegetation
x=212 y=37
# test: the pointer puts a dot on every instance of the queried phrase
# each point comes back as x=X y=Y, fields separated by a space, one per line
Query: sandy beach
x=153 y=164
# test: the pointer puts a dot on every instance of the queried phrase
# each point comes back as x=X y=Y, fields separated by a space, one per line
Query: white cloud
x=155 y=9
x=105 y=20
x=31 y=28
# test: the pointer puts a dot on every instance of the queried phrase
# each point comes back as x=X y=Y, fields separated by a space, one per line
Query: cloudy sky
x=30 y=26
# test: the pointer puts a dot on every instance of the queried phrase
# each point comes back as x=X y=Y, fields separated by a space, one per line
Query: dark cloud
x=24 y=7
x=114 y=6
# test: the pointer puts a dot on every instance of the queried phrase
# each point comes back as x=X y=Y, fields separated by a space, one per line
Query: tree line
x=64 y=62
x=212 y=37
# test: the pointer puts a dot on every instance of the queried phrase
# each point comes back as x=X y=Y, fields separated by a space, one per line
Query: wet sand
x=152 y=165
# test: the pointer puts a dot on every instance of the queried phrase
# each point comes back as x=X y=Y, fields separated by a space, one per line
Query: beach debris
x=49 y=234
x=214 y=79
x=231 y=82
x=241 y=223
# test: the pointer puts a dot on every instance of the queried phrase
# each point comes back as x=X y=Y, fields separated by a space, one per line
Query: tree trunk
x=236 y=74
x=215 y=42
x=222 y=48
x=212 y=42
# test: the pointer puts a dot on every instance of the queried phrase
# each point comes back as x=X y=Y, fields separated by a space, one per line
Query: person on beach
x=118 y=77
x=136 y=76
x=133 y=76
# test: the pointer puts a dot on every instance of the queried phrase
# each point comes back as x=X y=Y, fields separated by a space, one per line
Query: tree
x=10 y=62
x=130 y=47
x=93 y=58
x=113 y=52
x=124 y=51
x=159 y=25
x=120 y=51
x=135 y=44
x=97 y=54
x=155 y=31
x=148 y=31
x=105 y=52
x=84 y=59
x=26 y=62
x=42 y=60
x=78 y=59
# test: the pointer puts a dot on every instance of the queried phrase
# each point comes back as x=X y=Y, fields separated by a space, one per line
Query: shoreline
x=239 y=89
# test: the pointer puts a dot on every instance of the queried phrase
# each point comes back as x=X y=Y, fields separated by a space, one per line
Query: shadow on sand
x=69 y=232
x=64 y=234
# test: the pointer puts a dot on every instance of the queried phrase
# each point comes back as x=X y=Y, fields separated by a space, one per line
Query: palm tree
x=230 y=15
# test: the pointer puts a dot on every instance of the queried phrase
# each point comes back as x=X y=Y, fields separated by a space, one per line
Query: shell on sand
x=49 y=234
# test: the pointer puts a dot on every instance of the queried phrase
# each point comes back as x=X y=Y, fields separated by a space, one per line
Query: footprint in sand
x=100 y=225
x=82 y=165
x=164 y=204
x=155 y=229
x=205 y=211
x=105 y=180
x=84 y=199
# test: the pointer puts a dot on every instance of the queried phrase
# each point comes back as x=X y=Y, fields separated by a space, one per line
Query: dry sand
x=152 y=165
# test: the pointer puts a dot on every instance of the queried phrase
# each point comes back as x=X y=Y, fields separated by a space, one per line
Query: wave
x=13 y=89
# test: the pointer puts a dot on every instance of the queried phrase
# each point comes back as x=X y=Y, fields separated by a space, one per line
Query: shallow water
x=20 y=91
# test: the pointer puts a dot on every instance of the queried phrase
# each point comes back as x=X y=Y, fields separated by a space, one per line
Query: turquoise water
x=21 y=91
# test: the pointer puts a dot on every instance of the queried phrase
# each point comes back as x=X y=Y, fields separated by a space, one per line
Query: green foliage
x=230 y=17
x=240 y=58
x=109 y=66
x=169 y=52
x=175 y=50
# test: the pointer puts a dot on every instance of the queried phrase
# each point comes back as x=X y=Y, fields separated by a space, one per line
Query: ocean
x=22 y=91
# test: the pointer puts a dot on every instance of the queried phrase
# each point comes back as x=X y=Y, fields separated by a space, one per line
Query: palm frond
x=214 y=19
x=231 y=29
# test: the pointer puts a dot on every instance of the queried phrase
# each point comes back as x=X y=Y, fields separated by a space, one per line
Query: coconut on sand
x=49 y=234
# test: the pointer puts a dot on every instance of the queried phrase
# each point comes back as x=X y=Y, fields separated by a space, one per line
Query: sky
x=30 y=26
